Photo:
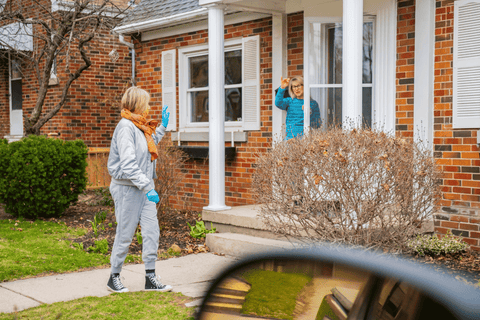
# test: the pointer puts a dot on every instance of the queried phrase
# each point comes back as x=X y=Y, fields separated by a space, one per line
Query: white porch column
x=279 y=69
x=216 y=106
x=352 y=62
x=424 y=72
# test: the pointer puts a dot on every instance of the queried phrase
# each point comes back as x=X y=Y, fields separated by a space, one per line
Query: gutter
x=132 y=50
x=162 y=22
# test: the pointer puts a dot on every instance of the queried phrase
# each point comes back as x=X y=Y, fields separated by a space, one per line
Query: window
x=242 y=86
x=325 y=71
x=16 y=85
x=466 y=65
x=197 y=89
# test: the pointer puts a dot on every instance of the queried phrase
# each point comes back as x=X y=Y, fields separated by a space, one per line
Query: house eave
x=148 y=25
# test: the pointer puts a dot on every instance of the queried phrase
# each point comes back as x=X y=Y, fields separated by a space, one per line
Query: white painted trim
x=233 y=18
x=279 y=69
x=203 y=136
x=424 y=72
x=184 y=113
x=216 y=96
x=162 y=22
x=14 y=114
x=352 y=25
x=255 y=9
x=170 y=87
x=383 y=113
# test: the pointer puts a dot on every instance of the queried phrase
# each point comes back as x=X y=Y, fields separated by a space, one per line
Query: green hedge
x=41 y=177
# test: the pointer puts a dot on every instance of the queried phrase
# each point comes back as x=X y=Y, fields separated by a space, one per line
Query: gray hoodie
x=129 y=162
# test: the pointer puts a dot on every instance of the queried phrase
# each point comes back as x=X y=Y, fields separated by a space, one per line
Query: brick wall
x=405 y=68
x=91 y=110
x=295 y=44
x=238 y=173
x=455 y=149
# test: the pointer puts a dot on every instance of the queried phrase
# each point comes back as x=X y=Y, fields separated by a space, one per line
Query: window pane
x=16 y=70
x=334 y=54
x=367 y=52
x=233 y=67
x=198 y=71
x=367 y=107
x=330 y=104
x=199 y=103
x=233 y=104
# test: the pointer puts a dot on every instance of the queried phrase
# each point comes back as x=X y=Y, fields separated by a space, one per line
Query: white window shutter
x=466 y=64
x=251 y=83
x=169 y=86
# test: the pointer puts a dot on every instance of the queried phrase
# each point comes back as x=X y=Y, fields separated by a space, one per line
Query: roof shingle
x=156 y=9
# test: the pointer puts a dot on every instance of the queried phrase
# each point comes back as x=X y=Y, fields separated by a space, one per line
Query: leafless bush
x=170 y=163
x=360 y=187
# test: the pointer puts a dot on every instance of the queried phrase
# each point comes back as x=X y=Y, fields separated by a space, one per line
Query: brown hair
x=135 y=100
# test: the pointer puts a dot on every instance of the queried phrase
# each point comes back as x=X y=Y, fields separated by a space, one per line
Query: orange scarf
x=148 y=127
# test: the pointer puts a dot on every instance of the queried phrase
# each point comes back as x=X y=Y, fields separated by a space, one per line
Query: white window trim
x=384 y=68
x=330 y=20
x=183 y=74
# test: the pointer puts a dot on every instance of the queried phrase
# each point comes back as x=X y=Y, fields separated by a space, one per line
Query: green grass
x=325 y=310
x=131 y=305
x=32 y=248
x=273 y=294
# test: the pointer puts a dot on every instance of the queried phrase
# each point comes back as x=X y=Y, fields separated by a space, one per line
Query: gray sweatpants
x=131 y=207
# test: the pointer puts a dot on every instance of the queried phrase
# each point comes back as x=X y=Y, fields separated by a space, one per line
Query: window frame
x=185 y=112
x=325 y=23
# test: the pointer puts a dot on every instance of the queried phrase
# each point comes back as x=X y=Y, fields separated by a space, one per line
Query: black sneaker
x=152 y=283
x=115 y=285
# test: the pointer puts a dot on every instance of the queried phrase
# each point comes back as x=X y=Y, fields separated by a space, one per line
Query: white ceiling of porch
x=312 y=8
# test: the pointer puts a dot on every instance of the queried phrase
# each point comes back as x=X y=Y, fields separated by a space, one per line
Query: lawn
x=30 y=248
x=273 y=294
x=131 y=305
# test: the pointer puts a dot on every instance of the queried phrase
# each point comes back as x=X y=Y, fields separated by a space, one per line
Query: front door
x=16 y=113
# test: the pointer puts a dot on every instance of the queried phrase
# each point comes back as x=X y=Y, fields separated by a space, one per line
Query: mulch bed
x=175 y=231
x=173 y=226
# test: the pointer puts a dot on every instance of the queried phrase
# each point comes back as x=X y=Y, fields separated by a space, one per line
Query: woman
x=294 y=106
x=131 y=164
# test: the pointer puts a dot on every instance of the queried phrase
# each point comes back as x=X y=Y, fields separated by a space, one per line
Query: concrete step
x=241 y=245
x=241 y=220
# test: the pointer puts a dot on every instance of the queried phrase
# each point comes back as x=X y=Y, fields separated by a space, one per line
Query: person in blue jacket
x=131 y=163
x=294 y=106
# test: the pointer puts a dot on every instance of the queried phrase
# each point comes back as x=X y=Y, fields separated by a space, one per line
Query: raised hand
x=284 y=82
x=165 y=116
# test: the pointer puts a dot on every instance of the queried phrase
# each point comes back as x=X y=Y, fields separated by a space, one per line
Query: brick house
x=88 y=113
x=417 y=78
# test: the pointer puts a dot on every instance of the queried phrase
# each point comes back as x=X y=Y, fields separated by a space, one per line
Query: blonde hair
x=297 y=79
x=135 y=100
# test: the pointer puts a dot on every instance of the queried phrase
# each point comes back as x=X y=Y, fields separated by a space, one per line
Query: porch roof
x=16 y=36
x=156 y=10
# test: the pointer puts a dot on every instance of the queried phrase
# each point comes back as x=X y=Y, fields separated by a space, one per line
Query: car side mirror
x=337 y=284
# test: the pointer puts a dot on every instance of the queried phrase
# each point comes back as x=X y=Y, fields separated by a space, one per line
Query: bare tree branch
x=64 y=32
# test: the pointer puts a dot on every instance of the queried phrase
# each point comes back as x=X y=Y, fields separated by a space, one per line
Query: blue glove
x=152 y=195
x=165 y=116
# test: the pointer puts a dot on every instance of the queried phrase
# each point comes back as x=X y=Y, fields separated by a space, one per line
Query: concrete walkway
x=191 y=275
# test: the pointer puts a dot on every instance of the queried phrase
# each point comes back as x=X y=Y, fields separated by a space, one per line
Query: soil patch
x=174 y=229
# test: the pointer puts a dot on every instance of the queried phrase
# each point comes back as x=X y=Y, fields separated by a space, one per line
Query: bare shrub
x=170 y=163
x=360 y=187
